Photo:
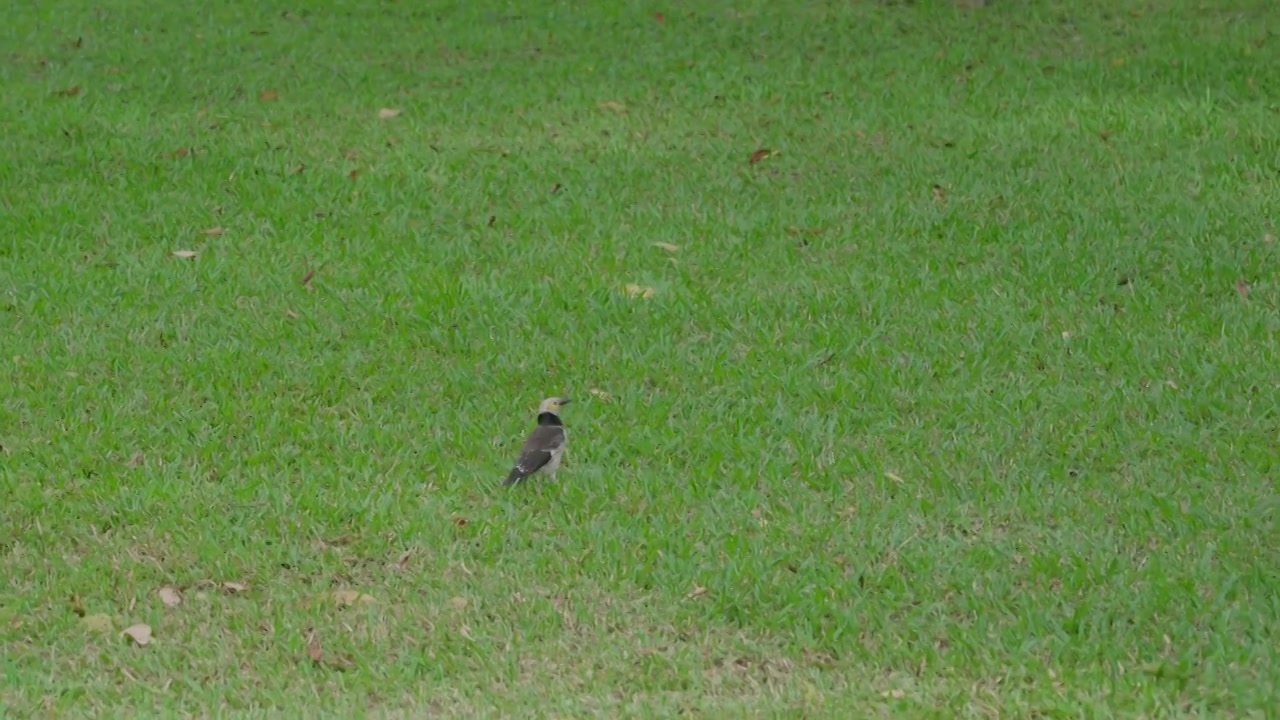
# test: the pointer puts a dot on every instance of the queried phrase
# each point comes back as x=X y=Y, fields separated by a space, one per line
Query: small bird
x=544 y=447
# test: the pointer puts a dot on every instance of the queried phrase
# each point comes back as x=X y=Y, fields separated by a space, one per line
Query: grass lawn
x=926 y=358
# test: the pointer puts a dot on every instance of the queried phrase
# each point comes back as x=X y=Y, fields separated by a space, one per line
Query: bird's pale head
x=552 y=405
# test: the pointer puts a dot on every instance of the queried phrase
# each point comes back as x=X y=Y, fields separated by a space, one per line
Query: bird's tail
x=513 y=477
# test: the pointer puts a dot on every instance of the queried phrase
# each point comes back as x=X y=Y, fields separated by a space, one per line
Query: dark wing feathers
x=536 y=452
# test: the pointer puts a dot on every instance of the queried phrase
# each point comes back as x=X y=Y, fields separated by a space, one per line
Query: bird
x=544 y=448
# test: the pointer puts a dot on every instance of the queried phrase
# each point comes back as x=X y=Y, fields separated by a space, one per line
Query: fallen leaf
x=72 y=91
x=1242 y=288
x=290 y=314
x=612 y=105
x=460 y=521
x=100 y=622
x=659 y=17
x=600 y=394
x=939 y=195
x=346 y=598
x=170 y=597
x=212 y=232
x=306 y=278
x=135 y=460
x=297 y=170
x=458 y=602
x=234 y=587
x=77 y=603
x=403 y=561
x=181 y=152
x=760 y=154
x=667 y=246
x=140 y=634
x=557 y=188
x=639 y=291
x=268 y=95
x=354 y=172
x=184 y=254
x=697 y=592
x=388 y=113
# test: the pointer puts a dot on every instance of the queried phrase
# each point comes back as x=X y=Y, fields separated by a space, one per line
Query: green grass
x=1007 y=448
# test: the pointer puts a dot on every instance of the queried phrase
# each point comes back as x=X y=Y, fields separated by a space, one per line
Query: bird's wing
x=536 y=452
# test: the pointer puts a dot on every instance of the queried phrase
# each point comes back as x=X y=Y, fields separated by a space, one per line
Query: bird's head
x=553 y=405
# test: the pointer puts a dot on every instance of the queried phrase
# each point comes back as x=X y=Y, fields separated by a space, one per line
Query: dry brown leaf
x=939 y=195
x=140 y=634
x=388 y=113
x=290 y=314
x=612 y=105
x=1242 y=287
x=697 y=592
x=306 y=278
x=170 y=597
x=184 y=254
x=268 y=95
x=600 y=394
x=354 y=172
x=212 y=232
x=667 y=246
x=639 y=291
x=72 y=91
x=458 y=602
x=403 y=561
x=232 y=588
x=77 y=602
x=760 y=154
x=101 y=622
x=181 y=152
x=135 y=460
